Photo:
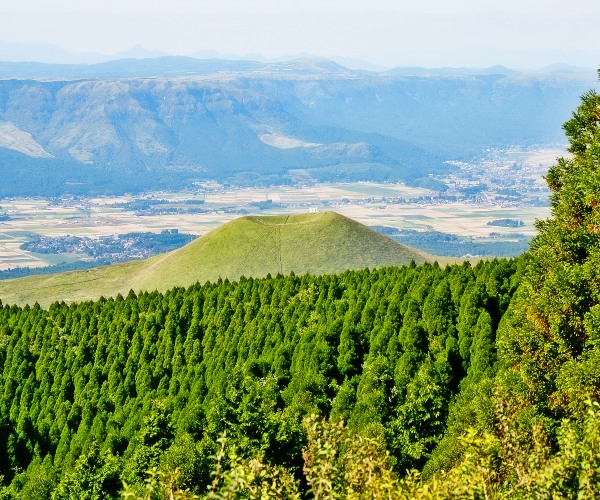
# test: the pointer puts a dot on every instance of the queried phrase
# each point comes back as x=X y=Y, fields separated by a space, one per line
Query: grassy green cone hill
x=252 y=246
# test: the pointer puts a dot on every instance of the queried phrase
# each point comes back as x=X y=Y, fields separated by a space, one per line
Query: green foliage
x=154 y=379
x=548 y=344
x=151 y=441
x=249 y=478
x=160 y=485
x=339 y=464
x=502 y=464
x=94 y=477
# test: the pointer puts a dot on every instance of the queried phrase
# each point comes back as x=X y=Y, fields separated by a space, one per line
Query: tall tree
x=550 y=338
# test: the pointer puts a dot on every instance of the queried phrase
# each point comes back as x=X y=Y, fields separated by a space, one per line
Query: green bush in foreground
x=341 y=465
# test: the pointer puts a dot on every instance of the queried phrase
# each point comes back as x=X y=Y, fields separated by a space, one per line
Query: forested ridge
x=155 y=379
x=402 y=382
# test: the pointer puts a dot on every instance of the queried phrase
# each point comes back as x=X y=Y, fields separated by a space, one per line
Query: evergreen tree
x=549 y=343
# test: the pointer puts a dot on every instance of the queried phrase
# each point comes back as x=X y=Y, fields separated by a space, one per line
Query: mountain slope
x=109 y=135
x=250 y=246
x=171 y=132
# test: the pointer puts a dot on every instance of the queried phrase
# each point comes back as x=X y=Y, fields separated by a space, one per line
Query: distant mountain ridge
x=124 y=126
x=418 y=71
x=133 y=64
x=253 y=246
x=165 y=66
x=56 y=55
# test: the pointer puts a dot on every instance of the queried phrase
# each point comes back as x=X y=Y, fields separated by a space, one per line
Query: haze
x=387 y=33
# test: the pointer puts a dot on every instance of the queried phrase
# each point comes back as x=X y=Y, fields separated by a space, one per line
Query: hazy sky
x=516 y=33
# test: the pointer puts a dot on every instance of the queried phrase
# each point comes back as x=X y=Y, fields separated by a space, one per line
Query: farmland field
x=204 y=207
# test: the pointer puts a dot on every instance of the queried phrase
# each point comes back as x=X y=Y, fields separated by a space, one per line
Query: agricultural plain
x=500 y=185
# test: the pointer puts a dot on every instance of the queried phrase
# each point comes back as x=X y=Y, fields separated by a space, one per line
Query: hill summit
x=251 y=246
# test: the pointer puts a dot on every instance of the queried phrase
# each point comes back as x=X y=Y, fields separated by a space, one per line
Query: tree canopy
x=120 y=386
x=549 y=343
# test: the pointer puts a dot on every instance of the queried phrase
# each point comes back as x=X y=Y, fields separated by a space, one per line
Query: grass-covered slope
x=251 y=246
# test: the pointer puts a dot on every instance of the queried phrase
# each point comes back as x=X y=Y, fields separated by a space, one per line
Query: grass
x=252 y=246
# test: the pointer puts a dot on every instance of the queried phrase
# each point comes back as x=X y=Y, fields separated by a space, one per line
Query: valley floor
x=465 y=220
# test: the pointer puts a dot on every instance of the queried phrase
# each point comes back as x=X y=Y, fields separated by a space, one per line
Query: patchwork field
x=207 y=206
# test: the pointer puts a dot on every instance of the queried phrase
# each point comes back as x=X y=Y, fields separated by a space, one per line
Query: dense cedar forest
x=156 y=379
x=403 y=382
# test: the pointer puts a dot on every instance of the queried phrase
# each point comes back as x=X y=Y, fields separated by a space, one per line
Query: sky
x=388 y=33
